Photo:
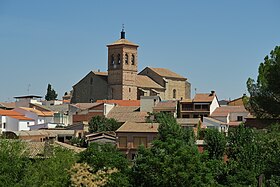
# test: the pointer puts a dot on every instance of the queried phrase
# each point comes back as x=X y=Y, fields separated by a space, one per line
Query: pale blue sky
x=217 y=45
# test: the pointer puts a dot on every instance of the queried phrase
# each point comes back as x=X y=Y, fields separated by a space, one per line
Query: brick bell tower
x=122 y=69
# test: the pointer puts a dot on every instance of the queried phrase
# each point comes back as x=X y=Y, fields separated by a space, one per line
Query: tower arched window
x=119 y=58
x=174 y=94
x=126 y=58
x=112 y=59
x=132 y=59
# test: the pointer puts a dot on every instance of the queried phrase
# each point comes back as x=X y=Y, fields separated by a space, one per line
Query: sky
x=217 y=45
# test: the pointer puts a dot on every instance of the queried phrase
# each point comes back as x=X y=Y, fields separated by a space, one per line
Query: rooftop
x=166 y=73
x=127 y=113
x=225 y=110
x=144 y=81
x=121 y=102
x=139 y=127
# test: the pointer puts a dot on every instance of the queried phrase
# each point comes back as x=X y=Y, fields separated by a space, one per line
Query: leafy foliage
x=101 y=124
x=264 y=99
x=215 y=143
x=51 y=93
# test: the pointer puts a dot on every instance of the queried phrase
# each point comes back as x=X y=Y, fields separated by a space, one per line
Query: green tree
x=173 y=160
x=264 y=101
x=13 y=162
x=101 y=124
x=215 y=143
x=106 y=156
x=51 y=93
x=51 y=171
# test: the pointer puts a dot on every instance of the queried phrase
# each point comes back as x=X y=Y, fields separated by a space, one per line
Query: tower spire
x=123 y=32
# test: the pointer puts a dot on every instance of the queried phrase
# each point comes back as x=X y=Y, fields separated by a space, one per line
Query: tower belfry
x=122 y=69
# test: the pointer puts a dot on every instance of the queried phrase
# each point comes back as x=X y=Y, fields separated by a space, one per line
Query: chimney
x=212 y=92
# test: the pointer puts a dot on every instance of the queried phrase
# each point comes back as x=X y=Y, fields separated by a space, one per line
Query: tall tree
x=264 y=101
x=51 y=93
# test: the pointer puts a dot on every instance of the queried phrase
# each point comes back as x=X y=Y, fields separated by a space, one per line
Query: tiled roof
x=138 y=127
x=9 y=113
x=84 y=106
x=234 y=123
x=127 y=113
x=100 y=73
x=204 y=97
x=23 y=118
x=38 y=112
x=225 y=110
x=121 y=102
x=166 y=73
x=183 y=121
x=122 y=42
x=214 y=120
x=144 y=81
x=166 y=104
x=10 y=105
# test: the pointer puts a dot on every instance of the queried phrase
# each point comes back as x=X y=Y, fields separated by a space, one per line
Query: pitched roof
x=204 y=97
x=10 y=105
x=23 y=118
x=144 y=81
x=166 y=104
x=138 y=127
x=84 y=106
x=9 y=113
x=38 y=112
x=188 y=121
x=100 y=73
x=166 y=73
x=121 y=102
x=225 y=110
x=122 y=42
x=127 y=113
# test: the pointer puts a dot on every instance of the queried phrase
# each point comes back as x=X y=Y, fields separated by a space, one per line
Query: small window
x=137 y=141
x=126 y=58
x=91 y=80
x=112 y=59
x=174 y=94
x=132 y=59
x=119 y=58
x=4 y=125
x=239 y=118
x=129 y=89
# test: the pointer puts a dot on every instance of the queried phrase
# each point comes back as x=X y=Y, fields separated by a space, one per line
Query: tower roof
x=122 y=40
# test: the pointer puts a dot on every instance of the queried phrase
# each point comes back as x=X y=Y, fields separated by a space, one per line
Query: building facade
x=123 y=82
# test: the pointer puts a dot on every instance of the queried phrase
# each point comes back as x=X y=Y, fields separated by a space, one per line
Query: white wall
x=214 y=105
x=233 y=115
x=107 y=108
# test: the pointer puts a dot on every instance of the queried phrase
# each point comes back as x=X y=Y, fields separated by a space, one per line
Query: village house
x=131 y=135
x=14 y=121
x=203 y=104
x=38 y=116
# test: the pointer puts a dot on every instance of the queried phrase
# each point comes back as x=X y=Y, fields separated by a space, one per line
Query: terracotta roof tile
x=121 y=102
x=166 y=73
x=166 y=104
x=10 y=105
x=204 y=97
x=10 y=113
x=38 y=112
x=144 y=81
x=225 y=110
x=138 y=127
x=22 y=118
x=84 y=106
x=122 y=42
x=127 y=113
x=100 y=73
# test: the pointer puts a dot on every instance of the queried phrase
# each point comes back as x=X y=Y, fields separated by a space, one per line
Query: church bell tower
x=122 y=69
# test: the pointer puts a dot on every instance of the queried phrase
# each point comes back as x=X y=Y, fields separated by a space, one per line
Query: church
x=122 y=81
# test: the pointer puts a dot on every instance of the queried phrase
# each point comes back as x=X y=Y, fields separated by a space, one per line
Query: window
x=119 y=58
x=4 y=125
x=174 y=94
x=122 y=142
x=239 y=118
x=129 y=89
x=126 y=58
x=137 y=141
x=112 y=59
x=91 y=80
x=132 y=59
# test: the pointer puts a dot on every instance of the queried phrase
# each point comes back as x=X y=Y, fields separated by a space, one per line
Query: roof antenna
x=123 y=32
